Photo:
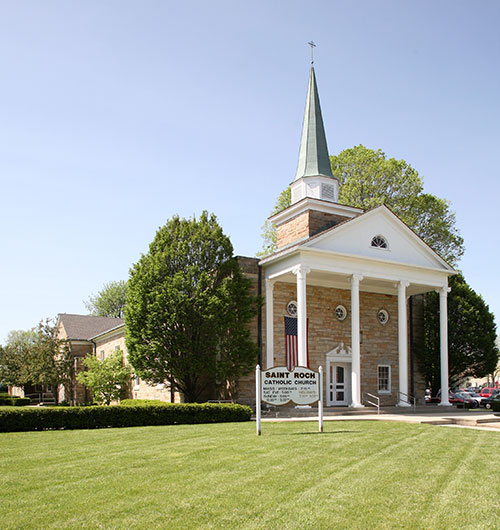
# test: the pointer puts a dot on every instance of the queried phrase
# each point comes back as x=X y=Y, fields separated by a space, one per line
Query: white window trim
x=384 y=392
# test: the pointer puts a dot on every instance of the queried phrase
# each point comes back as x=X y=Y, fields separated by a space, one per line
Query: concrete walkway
x=429 y=414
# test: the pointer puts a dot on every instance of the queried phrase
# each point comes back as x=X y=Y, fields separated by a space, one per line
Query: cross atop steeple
x=311 y=43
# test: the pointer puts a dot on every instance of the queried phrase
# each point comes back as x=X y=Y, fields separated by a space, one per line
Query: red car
x=488 y=391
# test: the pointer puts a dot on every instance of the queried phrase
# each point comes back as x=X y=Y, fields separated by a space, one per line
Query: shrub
x=8 y=400
x=41 y=418
x=142 y=402
x=21 y=401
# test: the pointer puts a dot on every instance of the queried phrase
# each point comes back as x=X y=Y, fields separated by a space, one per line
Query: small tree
x=14 y=357
x=188 y=309
x=37 y=357
x=109 y=301
x=108 y=380
x=49 y=360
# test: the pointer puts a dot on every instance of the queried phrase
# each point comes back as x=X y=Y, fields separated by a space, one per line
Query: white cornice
x=358 y=258
x=110 y=333
x=318 y=205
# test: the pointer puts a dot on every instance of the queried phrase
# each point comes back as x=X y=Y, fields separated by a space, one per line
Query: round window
x=341 y=312
x=383 y=316
x=292 y=308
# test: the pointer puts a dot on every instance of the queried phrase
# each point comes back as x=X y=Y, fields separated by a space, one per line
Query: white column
x=443 y=330
x=301 y=271
x=403 y=345
x=269 y=324
x=355 y=342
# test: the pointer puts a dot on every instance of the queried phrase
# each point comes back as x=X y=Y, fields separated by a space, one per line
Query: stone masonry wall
x=379 y=342
x=320 y=221
x=139 y=389
x=306 y=224
x=292 y=230
x=244 y=390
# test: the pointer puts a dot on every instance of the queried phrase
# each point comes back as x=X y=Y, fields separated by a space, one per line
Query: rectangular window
x=101 y=355
x=384 y=379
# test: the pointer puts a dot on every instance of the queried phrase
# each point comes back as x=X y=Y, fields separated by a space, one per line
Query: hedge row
x=142 y=402
x=15 y=401
x=41 y=418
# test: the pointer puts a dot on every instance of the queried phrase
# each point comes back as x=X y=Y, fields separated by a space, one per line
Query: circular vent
x=341 y=312
x=383 y=317
x=292 y=308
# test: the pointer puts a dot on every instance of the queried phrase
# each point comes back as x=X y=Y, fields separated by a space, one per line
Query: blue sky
x=116 y=115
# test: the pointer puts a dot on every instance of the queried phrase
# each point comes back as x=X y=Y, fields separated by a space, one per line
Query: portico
x=312 y=269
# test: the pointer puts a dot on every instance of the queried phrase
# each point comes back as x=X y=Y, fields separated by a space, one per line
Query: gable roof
x=85 y=327
x=320 y=240
x=369 y=217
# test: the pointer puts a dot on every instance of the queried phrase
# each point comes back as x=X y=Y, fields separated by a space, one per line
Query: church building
x=341 y=289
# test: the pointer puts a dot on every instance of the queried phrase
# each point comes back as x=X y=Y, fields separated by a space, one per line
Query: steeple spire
x=313 y=154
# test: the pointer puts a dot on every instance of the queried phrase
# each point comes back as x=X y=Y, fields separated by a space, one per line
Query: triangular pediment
x=355 y=236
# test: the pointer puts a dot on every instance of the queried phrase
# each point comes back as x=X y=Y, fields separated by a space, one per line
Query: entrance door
x=338 y=384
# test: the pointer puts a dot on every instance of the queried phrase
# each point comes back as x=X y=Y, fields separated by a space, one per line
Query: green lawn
x=355 y=475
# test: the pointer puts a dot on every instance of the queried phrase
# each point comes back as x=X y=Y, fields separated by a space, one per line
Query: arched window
x=379 y=242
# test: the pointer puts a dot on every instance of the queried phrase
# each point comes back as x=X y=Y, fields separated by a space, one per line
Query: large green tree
x=473 y=351
x=108 y=380
x=109 y=301
x=188 y=309
x=368 y=179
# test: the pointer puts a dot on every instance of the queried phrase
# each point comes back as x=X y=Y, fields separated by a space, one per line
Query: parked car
x=463 y=399
x=488 y=391
x=487 y=402
x=480 y=399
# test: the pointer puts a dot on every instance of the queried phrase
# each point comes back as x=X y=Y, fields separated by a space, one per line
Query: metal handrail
x=411 y=400
x=375 y=404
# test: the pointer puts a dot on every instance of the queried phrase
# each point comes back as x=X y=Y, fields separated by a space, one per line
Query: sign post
x=258 y=406
x=280 y=386
x=320 y=402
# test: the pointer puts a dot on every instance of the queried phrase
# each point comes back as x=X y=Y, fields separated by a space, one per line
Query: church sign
x=280 y=386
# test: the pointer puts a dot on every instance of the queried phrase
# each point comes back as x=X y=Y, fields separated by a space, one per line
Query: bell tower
x=314 y=176
x=315 y=190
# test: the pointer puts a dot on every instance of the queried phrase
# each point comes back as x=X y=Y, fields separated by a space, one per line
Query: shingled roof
x=84 y=327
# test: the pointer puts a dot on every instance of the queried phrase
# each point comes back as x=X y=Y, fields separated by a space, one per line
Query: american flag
x=291 y=343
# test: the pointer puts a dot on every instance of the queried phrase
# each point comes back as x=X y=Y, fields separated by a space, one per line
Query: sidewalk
x=433 y=415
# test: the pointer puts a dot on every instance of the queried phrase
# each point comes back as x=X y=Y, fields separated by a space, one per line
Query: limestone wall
x=379 y=343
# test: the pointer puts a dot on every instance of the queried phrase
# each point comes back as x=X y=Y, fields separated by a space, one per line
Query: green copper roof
x=313 y=153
